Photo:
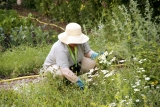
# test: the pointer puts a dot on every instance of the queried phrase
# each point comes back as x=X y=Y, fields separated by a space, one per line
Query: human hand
x=94 y=55
x=80 y=84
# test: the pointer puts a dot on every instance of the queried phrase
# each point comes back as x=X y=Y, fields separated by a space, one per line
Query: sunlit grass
x=126 y=86
x=22 y=60
x=135 y=83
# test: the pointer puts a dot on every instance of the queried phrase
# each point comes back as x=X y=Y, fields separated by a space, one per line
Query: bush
x=16 y=30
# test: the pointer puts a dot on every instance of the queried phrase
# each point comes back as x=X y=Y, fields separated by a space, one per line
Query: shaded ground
x=24 y=12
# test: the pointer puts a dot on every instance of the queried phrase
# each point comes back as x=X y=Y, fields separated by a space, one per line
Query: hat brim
x=67 y=39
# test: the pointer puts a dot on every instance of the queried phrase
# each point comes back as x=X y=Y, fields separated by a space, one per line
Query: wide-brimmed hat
x=73 y=35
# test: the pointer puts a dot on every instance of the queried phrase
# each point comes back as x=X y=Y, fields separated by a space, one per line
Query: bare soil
x=13 y=84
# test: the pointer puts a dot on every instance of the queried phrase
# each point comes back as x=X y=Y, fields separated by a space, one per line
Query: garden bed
x=25 y=12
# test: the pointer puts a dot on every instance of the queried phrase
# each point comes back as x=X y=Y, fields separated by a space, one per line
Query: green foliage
x=22 y=60
x=82 y=11
x=30 y=4
x=5 y=4
x=10 y=19
x=79 y=11
x=123 y=88
x=16 y=31
x=130 y=38
x=135 y=38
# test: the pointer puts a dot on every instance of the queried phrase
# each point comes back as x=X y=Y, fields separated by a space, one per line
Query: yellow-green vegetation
x=22 y=60
x=128 y=37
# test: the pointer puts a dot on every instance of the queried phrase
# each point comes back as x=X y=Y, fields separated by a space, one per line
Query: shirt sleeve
x=86 y=48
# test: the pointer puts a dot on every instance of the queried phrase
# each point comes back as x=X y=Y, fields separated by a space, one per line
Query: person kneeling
x=71 y=55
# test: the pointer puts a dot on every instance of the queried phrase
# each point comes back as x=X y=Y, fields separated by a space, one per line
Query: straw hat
x=73 y=35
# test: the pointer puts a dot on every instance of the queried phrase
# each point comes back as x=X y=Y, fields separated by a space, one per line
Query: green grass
x=123 y=89
x=22 y=60
x=129 y=35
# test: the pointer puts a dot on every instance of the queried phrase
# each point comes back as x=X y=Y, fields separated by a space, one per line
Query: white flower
x=143 y=70
x=101 y=26
x=101 y=62
x=137 y=83
x=109 y=74
x=112 y=105
x=95 y=84
x=104 y=71
x=135 y=59
x=124 y=79
x=121 y=61
x=140 y=61
x=120 y=7
x=96 y=68
x=105 y=61
x=89 y=80
x=103 y=82
x=142 y=95
x=147 y=78
x=123 y=101
x=146 y=87
x=113 y=59
x=126 y=96
x=103 y=56
x=137 y=100
x=91 y=70
x=136 y=90
x=134 y=86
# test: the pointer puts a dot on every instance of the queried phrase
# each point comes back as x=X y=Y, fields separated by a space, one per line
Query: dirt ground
x=18 y=82
x=24 y=12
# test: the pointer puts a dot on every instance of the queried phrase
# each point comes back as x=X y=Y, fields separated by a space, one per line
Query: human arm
x=91 y=54
x=66 y=72
x=69 y=74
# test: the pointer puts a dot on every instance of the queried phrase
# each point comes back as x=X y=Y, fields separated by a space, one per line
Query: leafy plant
x=16 y=31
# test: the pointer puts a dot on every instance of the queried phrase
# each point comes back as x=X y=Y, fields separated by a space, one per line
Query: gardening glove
x=80 y=84
x=94 y=55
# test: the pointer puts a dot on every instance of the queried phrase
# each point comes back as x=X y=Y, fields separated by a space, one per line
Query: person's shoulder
x=84 y=44
x=59 y=45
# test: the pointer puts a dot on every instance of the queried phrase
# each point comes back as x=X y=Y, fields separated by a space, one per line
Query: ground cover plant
x=128 y=70
x=22 y=60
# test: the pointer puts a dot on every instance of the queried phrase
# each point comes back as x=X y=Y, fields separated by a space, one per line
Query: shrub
x=15 y=31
